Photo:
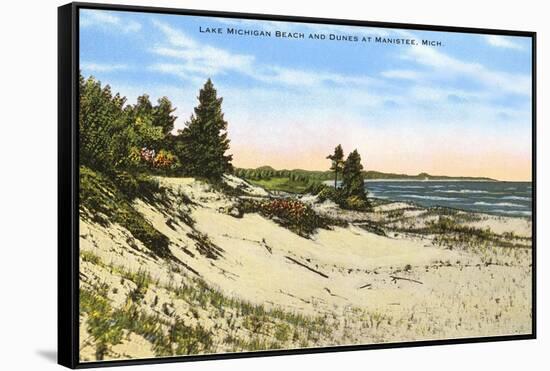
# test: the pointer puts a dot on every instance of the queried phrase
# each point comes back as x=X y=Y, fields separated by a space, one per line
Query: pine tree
x=353 y=179
x=100 y=120
x=163 y=115
x=337 y=159
x=204 y=140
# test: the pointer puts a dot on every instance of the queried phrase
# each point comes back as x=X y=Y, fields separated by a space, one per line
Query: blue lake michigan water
x=501 y=198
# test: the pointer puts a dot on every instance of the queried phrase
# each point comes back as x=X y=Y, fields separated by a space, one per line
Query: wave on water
x=492 y=198
x=434 y=198
x=406 y=186
x=519 y=198
x=462 y=191
x=507 y=204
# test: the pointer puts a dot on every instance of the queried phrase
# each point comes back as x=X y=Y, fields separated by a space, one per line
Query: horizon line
x=401 y=174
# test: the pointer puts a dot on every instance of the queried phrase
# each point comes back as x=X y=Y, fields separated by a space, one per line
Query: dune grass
x=241 y=325
x=103 y=202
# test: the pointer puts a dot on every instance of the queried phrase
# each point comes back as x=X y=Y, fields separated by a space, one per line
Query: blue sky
x=462 y=108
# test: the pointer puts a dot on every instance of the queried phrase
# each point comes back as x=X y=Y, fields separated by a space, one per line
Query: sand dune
x=366 y=287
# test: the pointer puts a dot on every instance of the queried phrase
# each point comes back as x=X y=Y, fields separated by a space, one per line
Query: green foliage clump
x=334 y=194
x=117 y=136
x=108 y=326
x=353 y=182
x=351 y=194
x=356 y=203
x=103 y=202
x=339 y=196
x=189 y=340
x=100 y=325
x=316 y=187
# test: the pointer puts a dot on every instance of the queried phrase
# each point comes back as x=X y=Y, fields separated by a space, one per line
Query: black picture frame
x=68 y=184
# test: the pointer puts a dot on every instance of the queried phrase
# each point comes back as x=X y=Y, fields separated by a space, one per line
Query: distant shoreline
x=445 y=180
x=267 y=172
x=329 y=182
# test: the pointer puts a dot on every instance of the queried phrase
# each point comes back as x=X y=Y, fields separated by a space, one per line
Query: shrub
x=164 y=160
x=292 y=214
x=356 y=203
x=316 y=187
x=126 y=183
x=333 y=194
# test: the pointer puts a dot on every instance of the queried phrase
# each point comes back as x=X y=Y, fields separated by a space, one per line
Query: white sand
x=349 y=276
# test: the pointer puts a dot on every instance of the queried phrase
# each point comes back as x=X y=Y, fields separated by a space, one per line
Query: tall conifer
x=205 y=140
x=337 y=159
x=353 y=179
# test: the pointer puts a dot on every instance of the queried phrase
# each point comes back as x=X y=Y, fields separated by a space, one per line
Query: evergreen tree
x=353 y=178
x=337 y=159
x=143 y=109
x=100 y=120
x=163 y=115
x=202 y=144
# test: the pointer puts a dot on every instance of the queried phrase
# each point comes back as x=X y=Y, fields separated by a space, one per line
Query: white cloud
x=102 y=67
x=402 y=74
x=207 y=60
x=450 y=67
x=175 y=37
x=108 y=21
x=195 y=59
x=502 y=42
x=273 y=26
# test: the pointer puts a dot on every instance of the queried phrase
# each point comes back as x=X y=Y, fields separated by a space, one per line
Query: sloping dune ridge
x=239 y=281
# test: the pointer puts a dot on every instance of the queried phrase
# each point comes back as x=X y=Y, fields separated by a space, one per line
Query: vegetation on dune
x=102 y=202
x=243 y=326
x=351 y=194
x=122 y=145
x=124 y=140
x=451 y=233
x=115 y=136
x=109 y=326
x=451 y=229
x=292 y=214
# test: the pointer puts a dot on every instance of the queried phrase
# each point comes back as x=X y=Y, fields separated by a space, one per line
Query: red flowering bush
x=164 y=160
x=290 y=213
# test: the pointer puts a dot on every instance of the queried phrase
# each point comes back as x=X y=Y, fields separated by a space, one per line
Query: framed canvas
x=238 y=185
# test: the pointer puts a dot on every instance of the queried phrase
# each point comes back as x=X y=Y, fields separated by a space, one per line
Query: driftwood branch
x=364 y=286
x=332 y=294
x=395 y=278
x=306 y=267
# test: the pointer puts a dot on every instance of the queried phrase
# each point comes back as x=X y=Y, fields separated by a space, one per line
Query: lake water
x=501 y=198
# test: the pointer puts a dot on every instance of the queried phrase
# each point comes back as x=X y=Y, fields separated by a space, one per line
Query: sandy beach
x=243 y=281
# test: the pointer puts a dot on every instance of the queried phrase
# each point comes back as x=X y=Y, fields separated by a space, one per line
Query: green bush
x=126 y=183
x=333 y=194
x=356 y=203
x=315 y=187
